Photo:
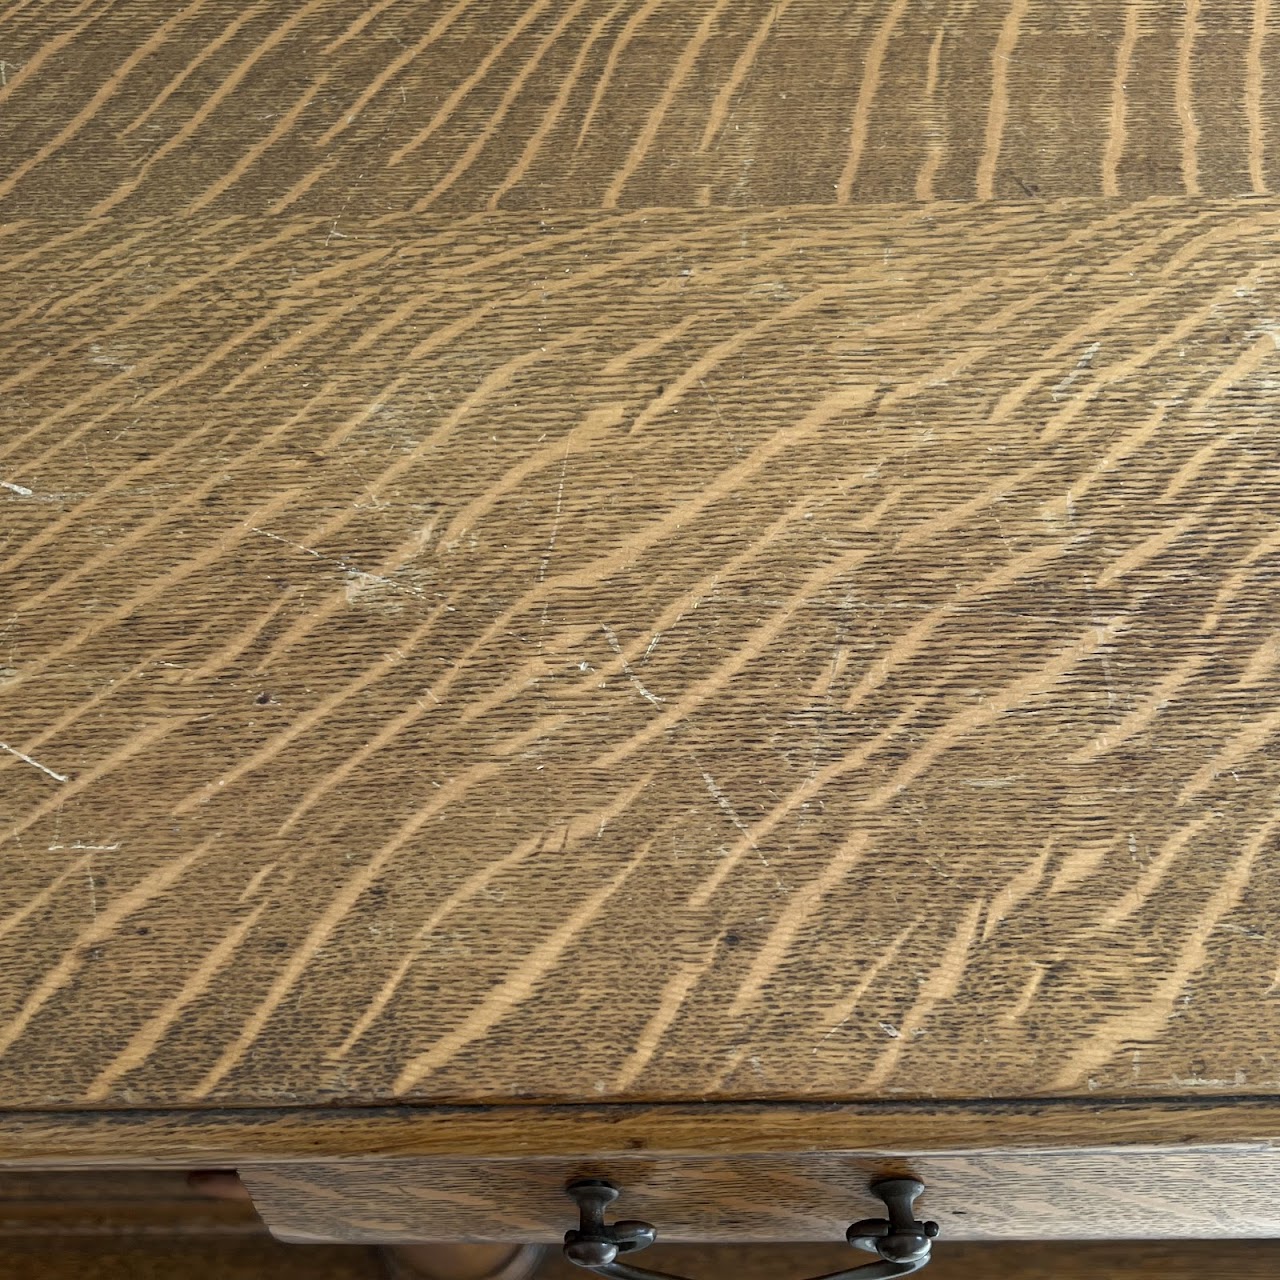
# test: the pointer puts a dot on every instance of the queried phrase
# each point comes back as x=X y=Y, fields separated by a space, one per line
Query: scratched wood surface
x=344 y=108
x=707 y=654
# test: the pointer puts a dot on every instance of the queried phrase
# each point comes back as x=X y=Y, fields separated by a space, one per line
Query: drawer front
x=1207 y=1192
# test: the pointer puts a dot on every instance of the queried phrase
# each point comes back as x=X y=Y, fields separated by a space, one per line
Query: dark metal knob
x=594 y=1244
x=903 y=1244
x=900 y=1237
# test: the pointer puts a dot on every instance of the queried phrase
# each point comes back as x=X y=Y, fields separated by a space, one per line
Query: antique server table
x=675 y=594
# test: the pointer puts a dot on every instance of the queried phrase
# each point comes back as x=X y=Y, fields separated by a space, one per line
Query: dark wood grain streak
x=345 y=109
x=848 y=645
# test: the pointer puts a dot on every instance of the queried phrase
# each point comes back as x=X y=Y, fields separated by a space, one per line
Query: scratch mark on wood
x=35 y=764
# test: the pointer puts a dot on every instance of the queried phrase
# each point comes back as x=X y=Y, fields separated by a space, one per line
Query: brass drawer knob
x=903 y=1243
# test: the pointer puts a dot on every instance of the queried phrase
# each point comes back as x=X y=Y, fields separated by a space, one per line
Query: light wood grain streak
x=697 y=372
x=912 y=642
x=283 y=126
x=100 y=928
x=1234 y=752
x=144 y=1041
x=402 y=60
x=95 y=103
x=211 y=554
x=1077 y=866
x=255 y=248
x=42 y=897
x=1127 y=306
x=520 y=984
x=941 y=985
x=328 y=920
x=801 y=906
x=488 y=387
x=53 y=46
x=1236 y=579
x=1147 y=1021
x=75 y=712
x=935 y=147
x=680 y=72
x=128 y=377
x=313 y=718
x=867 y=89
x=934 y=66
x=555 y=110
x=1150 y=880
x=695 y=592
x=1249 y=362
x=454 y=100
x=1184 y=100
x=1145 y=713
x=1019 y=888
x=752 y=648
x=592 y=824
x=670 y=1002
x=995 y=705
x=1117 y=132
x=737 y=76
x=135 y=537
x=79 y=783
x=491 y=126
x=616 y=52
x=1262 y=662
x=358 y=24
x=1026 y=997
x=1109 y=376
x=224 y=37
x=837 y=1016
x=1253 y=89
x=797 y=798
x=1148 y=549
x=196 y=121
x=656 y=531
x=998 y=110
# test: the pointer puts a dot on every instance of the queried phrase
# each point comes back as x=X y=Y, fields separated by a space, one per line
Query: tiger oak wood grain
x=1200 y=1193
x=347 y=109
x=643 y=655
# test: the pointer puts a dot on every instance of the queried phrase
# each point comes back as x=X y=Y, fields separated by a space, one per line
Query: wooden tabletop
x=586 y=552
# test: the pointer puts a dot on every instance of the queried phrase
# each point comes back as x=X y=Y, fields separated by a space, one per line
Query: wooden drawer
x=1206 y=1192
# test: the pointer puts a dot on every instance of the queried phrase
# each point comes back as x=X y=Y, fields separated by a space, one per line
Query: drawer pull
x=903 y=1243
